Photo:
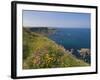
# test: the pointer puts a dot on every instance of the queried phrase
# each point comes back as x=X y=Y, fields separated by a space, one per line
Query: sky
x=56 y=19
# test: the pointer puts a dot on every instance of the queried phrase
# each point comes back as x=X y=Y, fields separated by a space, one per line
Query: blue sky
x=56 y=19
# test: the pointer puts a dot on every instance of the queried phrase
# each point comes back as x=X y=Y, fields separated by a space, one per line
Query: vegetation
x=41 y=52
x=42 y=30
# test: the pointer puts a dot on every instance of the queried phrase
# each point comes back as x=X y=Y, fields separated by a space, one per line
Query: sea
x=72 y=38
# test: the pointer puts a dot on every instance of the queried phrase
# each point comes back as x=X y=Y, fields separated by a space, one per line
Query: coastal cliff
x=42 y=52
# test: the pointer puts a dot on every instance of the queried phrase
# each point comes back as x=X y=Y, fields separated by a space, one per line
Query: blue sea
x=75 y=38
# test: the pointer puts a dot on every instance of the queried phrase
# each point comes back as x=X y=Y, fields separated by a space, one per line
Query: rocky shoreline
x=83 y=53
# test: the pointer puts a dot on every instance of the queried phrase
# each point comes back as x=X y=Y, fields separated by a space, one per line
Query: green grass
x=41 y=52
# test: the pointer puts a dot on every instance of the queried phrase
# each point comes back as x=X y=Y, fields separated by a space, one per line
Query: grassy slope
x=41 y=52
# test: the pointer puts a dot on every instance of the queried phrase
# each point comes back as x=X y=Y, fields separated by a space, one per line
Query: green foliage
x=41 y=52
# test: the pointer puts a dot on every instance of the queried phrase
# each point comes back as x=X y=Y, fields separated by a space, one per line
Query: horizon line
x=52 y=27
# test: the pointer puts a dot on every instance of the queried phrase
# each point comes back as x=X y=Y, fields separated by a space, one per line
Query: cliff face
x=41 y=52
x=85 y=54
x=84 y=51
x=43 y=30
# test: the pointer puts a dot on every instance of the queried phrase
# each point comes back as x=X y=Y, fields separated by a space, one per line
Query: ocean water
x=75 y=38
